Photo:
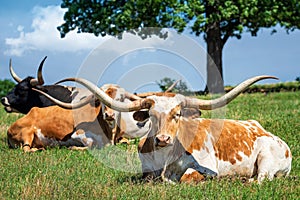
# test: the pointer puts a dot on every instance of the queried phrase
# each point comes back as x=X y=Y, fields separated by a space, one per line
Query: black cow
x=23 y=96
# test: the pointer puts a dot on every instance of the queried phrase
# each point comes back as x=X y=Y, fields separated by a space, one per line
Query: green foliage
x=216 y=20
x=298 y=79
x=232 y=17
x=63 y=174
x=5 y=86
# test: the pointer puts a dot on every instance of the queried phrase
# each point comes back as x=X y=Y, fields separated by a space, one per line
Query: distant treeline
x=266 y=88
x=5 y=86
x=261 y=88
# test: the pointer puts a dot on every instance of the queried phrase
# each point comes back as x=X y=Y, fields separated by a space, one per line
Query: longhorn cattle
x=22 y=97
x=243 y=154
x=123 y=123
x=55 y=126
x=219 y=148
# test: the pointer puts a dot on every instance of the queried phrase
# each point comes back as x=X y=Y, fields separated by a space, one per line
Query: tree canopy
x=5 y=86
x=217 y=20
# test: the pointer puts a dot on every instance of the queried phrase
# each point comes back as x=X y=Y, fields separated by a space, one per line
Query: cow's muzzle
x=163 y=140
x=4 y=101
x=6 y=105
x=109 y=116
x=8 y=109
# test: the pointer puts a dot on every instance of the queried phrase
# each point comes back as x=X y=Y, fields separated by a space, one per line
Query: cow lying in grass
x=220 y=148
x=81 y=127
x=176 y=144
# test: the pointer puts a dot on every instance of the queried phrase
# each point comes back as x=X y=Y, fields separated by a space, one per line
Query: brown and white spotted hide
x=218 y=147
x=153 y=160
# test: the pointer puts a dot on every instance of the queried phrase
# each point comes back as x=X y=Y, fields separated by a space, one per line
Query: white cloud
x=45 y=37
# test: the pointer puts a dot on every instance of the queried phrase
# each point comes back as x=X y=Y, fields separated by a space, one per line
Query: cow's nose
x=162 y=140
x=109 y=116
x=4 y=101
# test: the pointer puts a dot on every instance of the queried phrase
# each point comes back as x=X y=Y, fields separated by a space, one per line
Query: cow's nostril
x=157 y=140
x=162 y=140
x=109 y=115
x=167 y=138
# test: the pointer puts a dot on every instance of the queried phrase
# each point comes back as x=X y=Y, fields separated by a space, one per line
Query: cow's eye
x=176 y=116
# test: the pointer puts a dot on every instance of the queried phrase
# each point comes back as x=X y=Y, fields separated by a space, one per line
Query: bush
x=5 y=86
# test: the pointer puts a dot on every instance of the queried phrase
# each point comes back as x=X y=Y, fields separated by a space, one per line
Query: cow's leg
x=273 y=160
x=192 y=176
x=79 y=136
x=27 y=137
x=36 y=149
x=118 y=137
x=78 y=148
x=113 y=136
x=269 y=167
x=266 y=167
x=124 y=141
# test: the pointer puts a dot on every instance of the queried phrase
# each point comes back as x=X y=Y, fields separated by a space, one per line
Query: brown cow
x=53 y=125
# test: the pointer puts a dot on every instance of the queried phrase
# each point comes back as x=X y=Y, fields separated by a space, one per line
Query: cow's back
x=239 y=146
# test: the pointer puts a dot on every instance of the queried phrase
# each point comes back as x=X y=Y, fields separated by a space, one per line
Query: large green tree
x=216 y=20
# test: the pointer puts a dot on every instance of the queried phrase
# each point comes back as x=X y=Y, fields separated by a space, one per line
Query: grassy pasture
x=63 y=174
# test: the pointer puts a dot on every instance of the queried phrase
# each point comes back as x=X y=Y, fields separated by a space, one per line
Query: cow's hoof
x=78 y=148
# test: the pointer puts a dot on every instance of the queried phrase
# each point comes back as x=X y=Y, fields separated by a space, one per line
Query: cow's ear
x=141 y=115
x=190 y=113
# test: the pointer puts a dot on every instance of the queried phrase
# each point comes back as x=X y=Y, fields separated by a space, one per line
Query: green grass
x=59 y=173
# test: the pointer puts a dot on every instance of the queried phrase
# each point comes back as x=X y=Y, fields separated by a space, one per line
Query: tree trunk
x=215 y=82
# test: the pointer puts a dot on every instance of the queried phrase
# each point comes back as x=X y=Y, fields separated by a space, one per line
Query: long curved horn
x=146 y=94
x=131 y=96
x=108 y=101
x=128 y=95
x=39 y=80
x=39 y=73
x=225 y=99
x=13 y=74
x=79 y=104
x=172 y=86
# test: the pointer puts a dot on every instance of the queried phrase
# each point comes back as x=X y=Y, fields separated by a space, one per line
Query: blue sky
x=29 y=33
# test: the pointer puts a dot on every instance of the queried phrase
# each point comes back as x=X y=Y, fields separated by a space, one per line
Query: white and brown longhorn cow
x=219 y=148
x=202 y=146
